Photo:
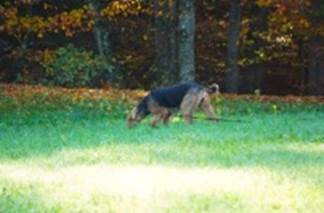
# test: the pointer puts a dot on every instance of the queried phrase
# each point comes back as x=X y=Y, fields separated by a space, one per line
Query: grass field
x=56 y=157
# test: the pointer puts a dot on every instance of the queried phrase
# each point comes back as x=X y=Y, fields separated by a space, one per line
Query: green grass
x=267 y=157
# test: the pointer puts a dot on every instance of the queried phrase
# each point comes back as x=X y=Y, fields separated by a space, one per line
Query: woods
x=274 y=47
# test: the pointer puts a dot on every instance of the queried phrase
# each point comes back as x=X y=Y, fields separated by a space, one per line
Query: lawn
x=59 y=155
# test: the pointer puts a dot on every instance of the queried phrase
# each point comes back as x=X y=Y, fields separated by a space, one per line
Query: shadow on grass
x=87 y=137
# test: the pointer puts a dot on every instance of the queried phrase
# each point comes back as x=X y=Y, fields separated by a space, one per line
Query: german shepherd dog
x=163 y=102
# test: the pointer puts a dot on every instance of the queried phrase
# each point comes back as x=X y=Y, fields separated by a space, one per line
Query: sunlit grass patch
x=146 y=188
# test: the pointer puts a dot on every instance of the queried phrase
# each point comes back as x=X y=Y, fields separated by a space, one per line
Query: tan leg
x=159 y=113
x=207 y=108
x=166 y=118
x=189 y=104
x=188 y=118
x=155 y=120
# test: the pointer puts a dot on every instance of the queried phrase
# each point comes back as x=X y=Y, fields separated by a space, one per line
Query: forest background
x=262 y=46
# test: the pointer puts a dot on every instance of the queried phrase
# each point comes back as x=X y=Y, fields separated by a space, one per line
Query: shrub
x=71 y=67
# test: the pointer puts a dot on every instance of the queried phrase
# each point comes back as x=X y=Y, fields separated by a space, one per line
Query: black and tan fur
x=162 y=103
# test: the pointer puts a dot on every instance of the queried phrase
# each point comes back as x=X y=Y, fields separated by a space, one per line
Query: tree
x=232 y=75
x=253 y=51
x=186 y=40
x=174 y=40
x=165 y=40
x=315 y=51
x=315 y=74
x=101 y=35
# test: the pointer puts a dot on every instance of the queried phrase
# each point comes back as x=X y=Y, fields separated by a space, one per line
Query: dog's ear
x=213 y=88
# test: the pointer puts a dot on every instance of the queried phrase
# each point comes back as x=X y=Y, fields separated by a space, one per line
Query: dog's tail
x=213 y=89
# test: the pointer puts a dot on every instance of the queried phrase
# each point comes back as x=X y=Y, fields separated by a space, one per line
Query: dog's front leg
x=155 y=120
x=166 y=117
x=207 y=108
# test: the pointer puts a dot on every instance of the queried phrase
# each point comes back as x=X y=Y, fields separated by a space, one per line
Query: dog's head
x=134 y=117
x=213 y=89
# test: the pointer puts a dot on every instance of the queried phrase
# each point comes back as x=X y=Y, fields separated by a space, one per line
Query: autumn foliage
x=69 y=22
x=281 y=36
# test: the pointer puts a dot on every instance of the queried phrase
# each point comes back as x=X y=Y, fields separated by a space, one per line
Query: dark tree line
x=246 y=46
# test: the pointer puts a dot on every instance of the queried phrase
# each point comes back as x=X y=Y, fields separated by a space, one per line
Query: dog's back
x=171 y=97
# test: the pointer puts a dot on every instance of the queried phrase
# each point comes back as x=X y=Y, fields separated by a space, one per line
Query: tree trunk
x=101 y=35
x=315 y=47
x=165 y=62
x=186 y=25
x=316 y=74
x=257 y=68
x=232 y=75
